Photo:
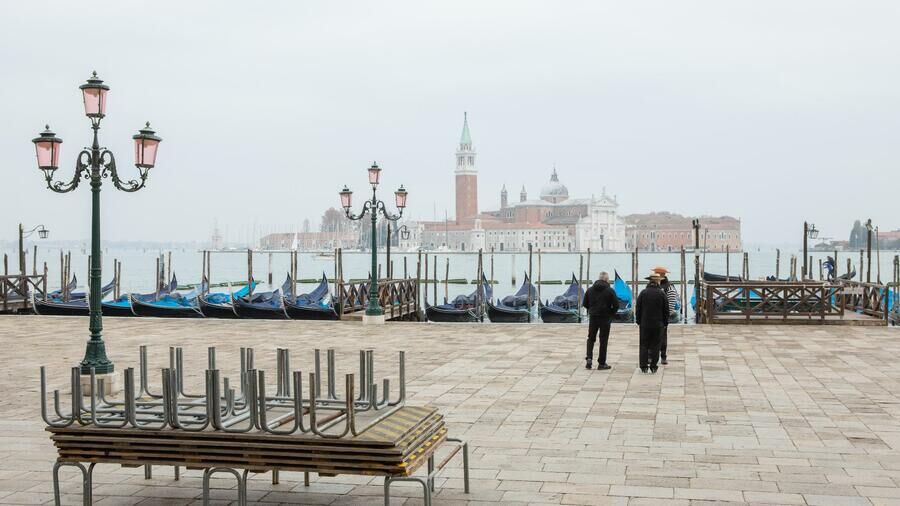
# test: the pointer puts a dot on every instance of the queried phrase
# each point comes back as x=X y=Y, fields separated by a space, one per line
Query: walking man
x=672 y=298
x=651 y=313
x=601 y=303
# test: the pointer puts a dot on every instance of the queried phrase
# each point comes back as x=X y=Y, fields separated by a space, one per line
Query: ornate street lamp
x=809 y=232
x=374 y=313
x=95 y=164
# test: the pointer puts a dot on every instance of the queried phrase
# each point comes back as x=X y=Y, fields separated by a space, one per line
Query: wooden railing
x=398 y=298
x=15 y=290
x=866 y=298
x=731 y=302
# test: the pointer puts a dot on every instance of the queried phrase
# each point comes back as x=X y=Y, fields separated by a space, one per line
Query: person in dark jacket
x=601 y=303
x=651 y=313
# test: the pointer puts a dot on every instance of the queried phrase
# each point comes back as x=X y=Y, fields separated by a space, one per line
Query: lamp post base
x=111 y=383
x=373 y=319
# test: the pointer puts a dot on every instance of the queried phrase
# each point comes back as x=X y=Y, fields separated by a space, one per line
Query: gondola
x=58 y=294
x=625 y=313
x=564 y=308
x=716 y=278
x=513 y=308
x=219 y=305
x=121 y=306
x=170 y=305
x=315 y=305
x=264 y=305
x=463 y=309
x=56 y=306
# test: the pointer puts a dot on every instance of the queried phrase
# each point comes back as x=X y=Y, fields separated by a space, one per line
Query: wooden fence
x=769 y=302
x=398 y=298
x=866 y=298
x=15 y=290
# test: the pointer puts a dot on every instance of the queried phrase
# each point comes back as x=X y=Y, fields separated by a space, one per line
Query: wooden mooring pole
x=580 y=284
x=777 y=264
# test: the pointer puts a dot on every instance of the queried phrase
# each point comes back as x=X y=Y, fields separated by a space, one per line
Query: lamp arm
x=109 y=170
x=367 y=207
x=389 y=216
x=82 y=170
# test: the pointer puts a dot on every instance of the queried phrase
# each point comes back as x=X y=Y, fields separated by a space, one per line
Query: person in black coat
x=651 y=313
x=601 y=303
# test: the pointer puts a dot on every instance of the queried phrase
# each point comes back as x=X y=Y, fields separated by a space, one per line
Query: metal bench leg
x=242 y=483
x=431 y=472
x=422 y=481
x=465 y=450
x=274 y=476
x=305 y=478
x=86 y=481
x=177 y=473
x=148 y=471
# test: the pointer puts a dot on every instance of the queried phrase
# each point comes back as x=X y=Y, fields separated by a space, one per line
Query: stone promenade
x=741 y=415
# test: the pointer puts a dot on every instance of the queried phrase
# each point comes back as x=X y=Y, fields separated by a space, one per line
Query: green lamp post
x=374 y=313
x=95 y=164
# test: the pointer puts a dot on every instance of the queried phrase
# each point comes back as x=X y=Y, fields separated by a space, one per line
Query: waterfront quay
x=741 y=415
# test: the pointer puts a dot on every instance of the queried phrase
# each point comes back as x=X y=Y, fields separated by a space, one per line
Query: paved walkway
x=761 y=415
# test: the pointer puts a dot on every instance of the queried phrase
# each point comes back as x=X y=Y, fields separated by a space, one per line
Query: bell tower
x=466 y=176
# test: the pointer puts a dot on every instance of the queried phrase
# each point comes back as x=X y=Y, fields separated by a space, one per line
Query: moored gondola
x=463 y=309
x=56 y=306
x=513 y=308
x=264 y=305
x=315 y=305
x=625 y=313
x=564 y=308
x=170 y=305
x=219 y=305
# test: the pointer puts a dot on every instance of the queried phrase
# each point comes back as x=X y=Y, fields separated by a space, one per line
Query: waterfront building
x=553 y=222
x=664 y=231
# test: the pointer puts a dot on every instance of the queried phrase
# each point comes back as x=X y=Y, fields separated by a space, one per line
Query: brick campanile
x=466 y=176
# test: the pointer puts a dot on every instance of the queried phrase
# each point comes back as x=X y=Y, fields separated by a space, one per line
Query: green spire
x=465 y=139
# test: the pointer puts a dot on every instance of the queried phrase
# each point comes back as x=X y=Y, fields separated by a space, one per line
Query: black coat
x=601 y=301
x=652 y=308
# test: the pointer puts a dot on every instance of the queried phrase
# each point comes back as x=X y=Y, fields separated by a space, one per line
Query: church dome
x=554 y=191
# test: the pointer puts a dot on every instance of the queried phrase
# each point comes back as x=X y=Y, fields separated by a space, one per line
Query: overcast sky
x=771 y=111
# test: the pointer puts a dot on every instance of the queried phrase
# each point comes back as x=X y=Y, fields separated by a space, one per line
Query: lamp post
x=95 y=164
x=404 y=234
x=809 y=232
x=23 y=234
x=374 y=313
x=869 y=230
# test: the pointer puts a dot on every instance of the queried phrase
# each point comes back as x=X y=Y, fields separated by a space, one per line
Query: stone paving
x=741 y=415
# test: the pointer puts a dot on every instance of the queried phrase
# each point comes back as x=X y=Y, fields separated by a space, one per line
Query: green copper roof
x=465 y=138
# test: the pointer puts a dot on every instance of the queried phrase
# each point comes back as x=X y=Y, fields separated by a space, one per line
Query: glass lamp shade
x=404 y=233
x=146 y=143
x=346 y=198
x=47 y=148
x=94 y=93
x=43 y=233
x=400 y=195
x=374 y=174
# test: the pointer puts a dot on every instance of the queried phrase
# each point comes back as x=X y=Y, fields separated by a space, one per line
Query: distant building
x=553 y=222
x=663 y=231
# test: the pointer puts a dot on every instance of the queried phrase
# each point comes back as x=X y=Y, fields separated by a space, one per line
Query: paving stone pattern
x=741 y=415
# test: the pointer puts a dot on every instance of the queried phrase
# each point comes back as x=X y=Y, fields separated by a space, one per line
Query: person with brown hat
x=651 y=313
x=672 y=297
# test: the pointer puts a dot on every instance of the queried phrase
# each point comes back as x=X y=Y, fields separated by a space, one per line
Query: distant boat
x=264 y=305
x=315 y=305
x=564 y=308
x=513 y=308
x=625 y=313
x=463 y=309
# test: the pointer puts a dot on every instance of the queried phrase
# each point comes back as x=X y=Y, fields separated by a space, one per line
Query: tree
x=858 y=235
x=332 y=220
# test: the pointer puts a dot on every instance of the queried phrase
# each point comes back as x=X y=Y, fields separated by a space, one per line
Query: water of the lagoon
x=139 y=265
